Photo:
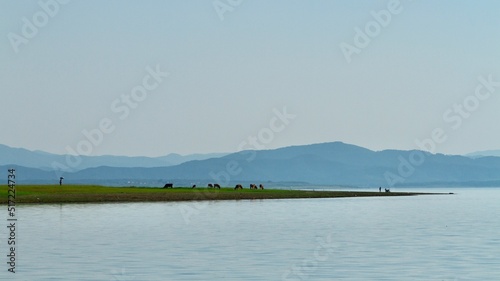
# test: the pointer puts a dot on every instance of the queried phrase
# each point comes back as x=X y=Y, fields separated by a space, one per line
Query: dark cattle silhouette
x=167 y=185
x=210 y=185
x=194 y=186
x=238 y=186
x=253 y=186
x=387 y=190
x=217 y=186
x=261 y=186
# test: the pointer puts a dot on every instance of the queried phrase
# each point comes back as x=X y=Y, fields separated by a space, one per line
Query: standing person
x=380 y=189
x=60 y=180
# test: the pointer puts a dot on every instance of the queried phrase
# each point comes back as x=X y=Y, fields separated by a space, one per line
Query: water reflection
x=405 y=238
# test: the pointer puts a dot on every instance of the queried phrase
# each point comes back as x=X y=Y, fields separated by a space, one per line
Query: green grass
x=95 y=193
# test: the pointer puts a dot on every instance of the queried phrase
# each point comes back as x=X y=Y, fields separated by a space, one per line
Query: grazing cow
x=253 y=186
x=217 y=186
x=194 y=186
x=387 y=190
x=238 y=186
x=261 y=186
x=210 y=185
x=167 y=185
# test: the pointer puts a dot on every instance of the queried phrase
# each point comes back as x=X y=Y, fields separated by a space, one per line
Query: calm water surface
x=438 y=237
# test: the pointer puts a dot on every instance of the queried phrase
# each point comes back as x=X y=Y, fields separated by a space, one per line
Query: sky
x=149 y=78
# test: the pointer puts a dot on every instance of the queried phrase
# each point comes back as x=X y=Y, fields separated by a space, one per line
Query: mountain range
x=484 y=153
x=45 y=161
x=333 y=163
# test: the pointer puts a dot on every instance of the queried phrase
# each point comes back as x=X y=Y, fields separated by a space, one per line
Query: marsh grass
x=96 y=193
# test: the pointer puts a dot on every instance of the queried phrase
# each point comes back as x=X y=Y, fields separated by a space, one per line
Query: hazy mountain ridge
x=44 y=160
x=484 y=153
x=333 y=163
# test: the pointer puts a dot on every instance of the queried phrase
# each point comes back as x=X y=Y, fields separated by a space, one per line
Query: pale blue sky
x=226 y=76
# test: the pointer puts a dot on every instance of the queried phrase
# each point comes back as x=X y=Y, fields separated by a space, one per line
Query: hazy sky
x=90 y=76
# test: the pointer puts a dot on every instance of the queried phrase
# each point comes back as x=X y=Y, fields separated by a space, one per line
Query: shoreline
x=54 y=194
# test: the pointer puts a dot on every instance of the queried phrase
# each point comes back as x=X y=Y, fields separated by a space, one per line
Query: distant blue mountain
x=44 y=161
x=333 y=163
x=484 y=153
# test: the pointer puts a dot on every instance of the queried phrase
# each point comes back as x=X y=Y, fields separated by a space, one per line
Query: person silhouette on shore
x=60 y=180
x=380 y=189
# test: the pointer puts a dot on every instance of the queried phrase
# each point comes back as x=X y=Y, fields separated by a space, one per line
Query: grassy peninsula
x=97 y=194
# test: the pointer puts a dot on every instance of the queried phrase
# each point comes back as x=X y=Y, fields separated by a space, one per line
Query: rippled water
x=443 y=237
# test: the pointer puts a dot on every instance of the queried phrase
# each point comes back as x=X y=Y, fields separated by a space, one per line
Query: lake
x=431 y=237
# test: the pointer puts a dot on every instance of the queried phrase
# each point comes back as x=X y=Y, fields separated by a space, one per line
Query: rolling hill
x=334 y=163
x=45 y=161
